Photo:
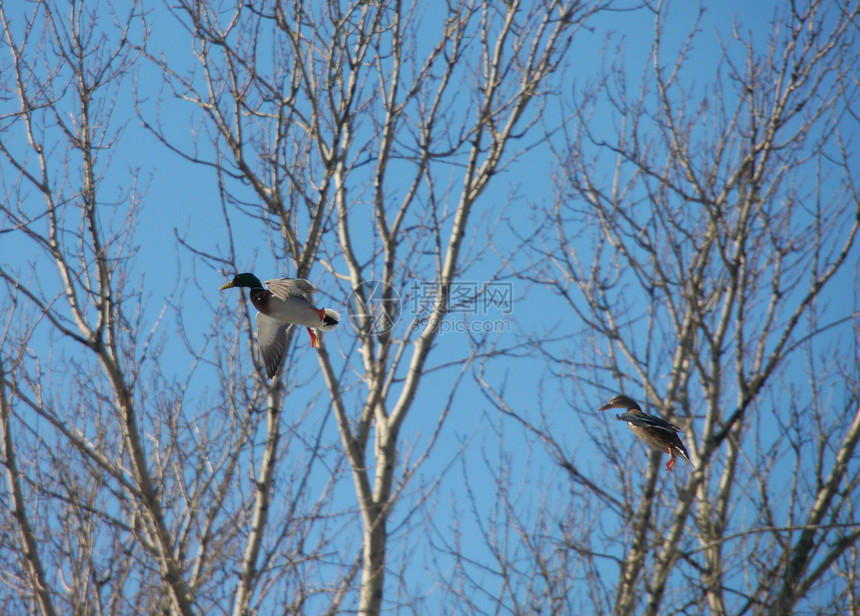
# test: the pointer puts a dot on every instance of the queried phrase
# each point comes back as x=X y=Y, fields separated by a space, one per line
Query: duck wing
x=285 y=288
x=272 y=338
x=643 y=420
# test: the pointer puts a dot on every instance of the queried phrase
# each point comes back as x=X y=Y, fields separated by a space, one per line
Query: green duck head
x=244 y=280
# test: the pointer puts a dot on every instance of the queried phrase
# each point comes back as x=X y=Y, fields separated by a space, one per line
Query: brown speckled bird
x=654 y=431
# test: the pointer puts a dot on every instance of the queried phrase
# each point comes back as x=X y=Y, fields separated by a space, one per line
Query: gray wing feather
x=283 y=288
x=272 y=338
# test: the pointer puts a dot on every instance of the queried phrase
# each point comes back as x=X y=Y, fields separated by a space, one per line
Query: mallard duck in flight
x=654 y=431
x=286 y=301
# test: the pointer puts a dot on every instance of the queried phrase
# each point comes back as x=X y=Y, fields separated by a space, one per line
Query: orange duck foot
x=671 y=461
x=313 y=337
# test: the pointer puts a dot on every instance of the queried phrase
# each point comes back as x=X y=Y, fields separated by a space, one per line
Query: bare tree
x=702 y=224
x=64 y=74
x=363 y=134
x=124 y=494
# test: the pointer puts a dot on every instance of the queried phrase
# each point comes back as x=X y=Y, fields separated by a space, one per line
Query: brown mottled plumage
x=654 y=431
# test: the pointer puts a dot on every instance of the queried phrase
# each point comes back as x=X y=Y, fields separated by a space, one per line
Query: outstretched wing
x=272 y=338
x=643 y=420
x=283 y=288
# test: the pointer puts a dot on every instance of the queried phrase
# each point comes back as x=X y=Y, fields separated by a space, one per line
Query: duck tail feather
x=330 y=321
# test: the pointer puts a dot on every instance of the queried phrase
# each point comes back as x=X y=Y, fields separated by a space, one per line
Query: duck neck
x=259 y=297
